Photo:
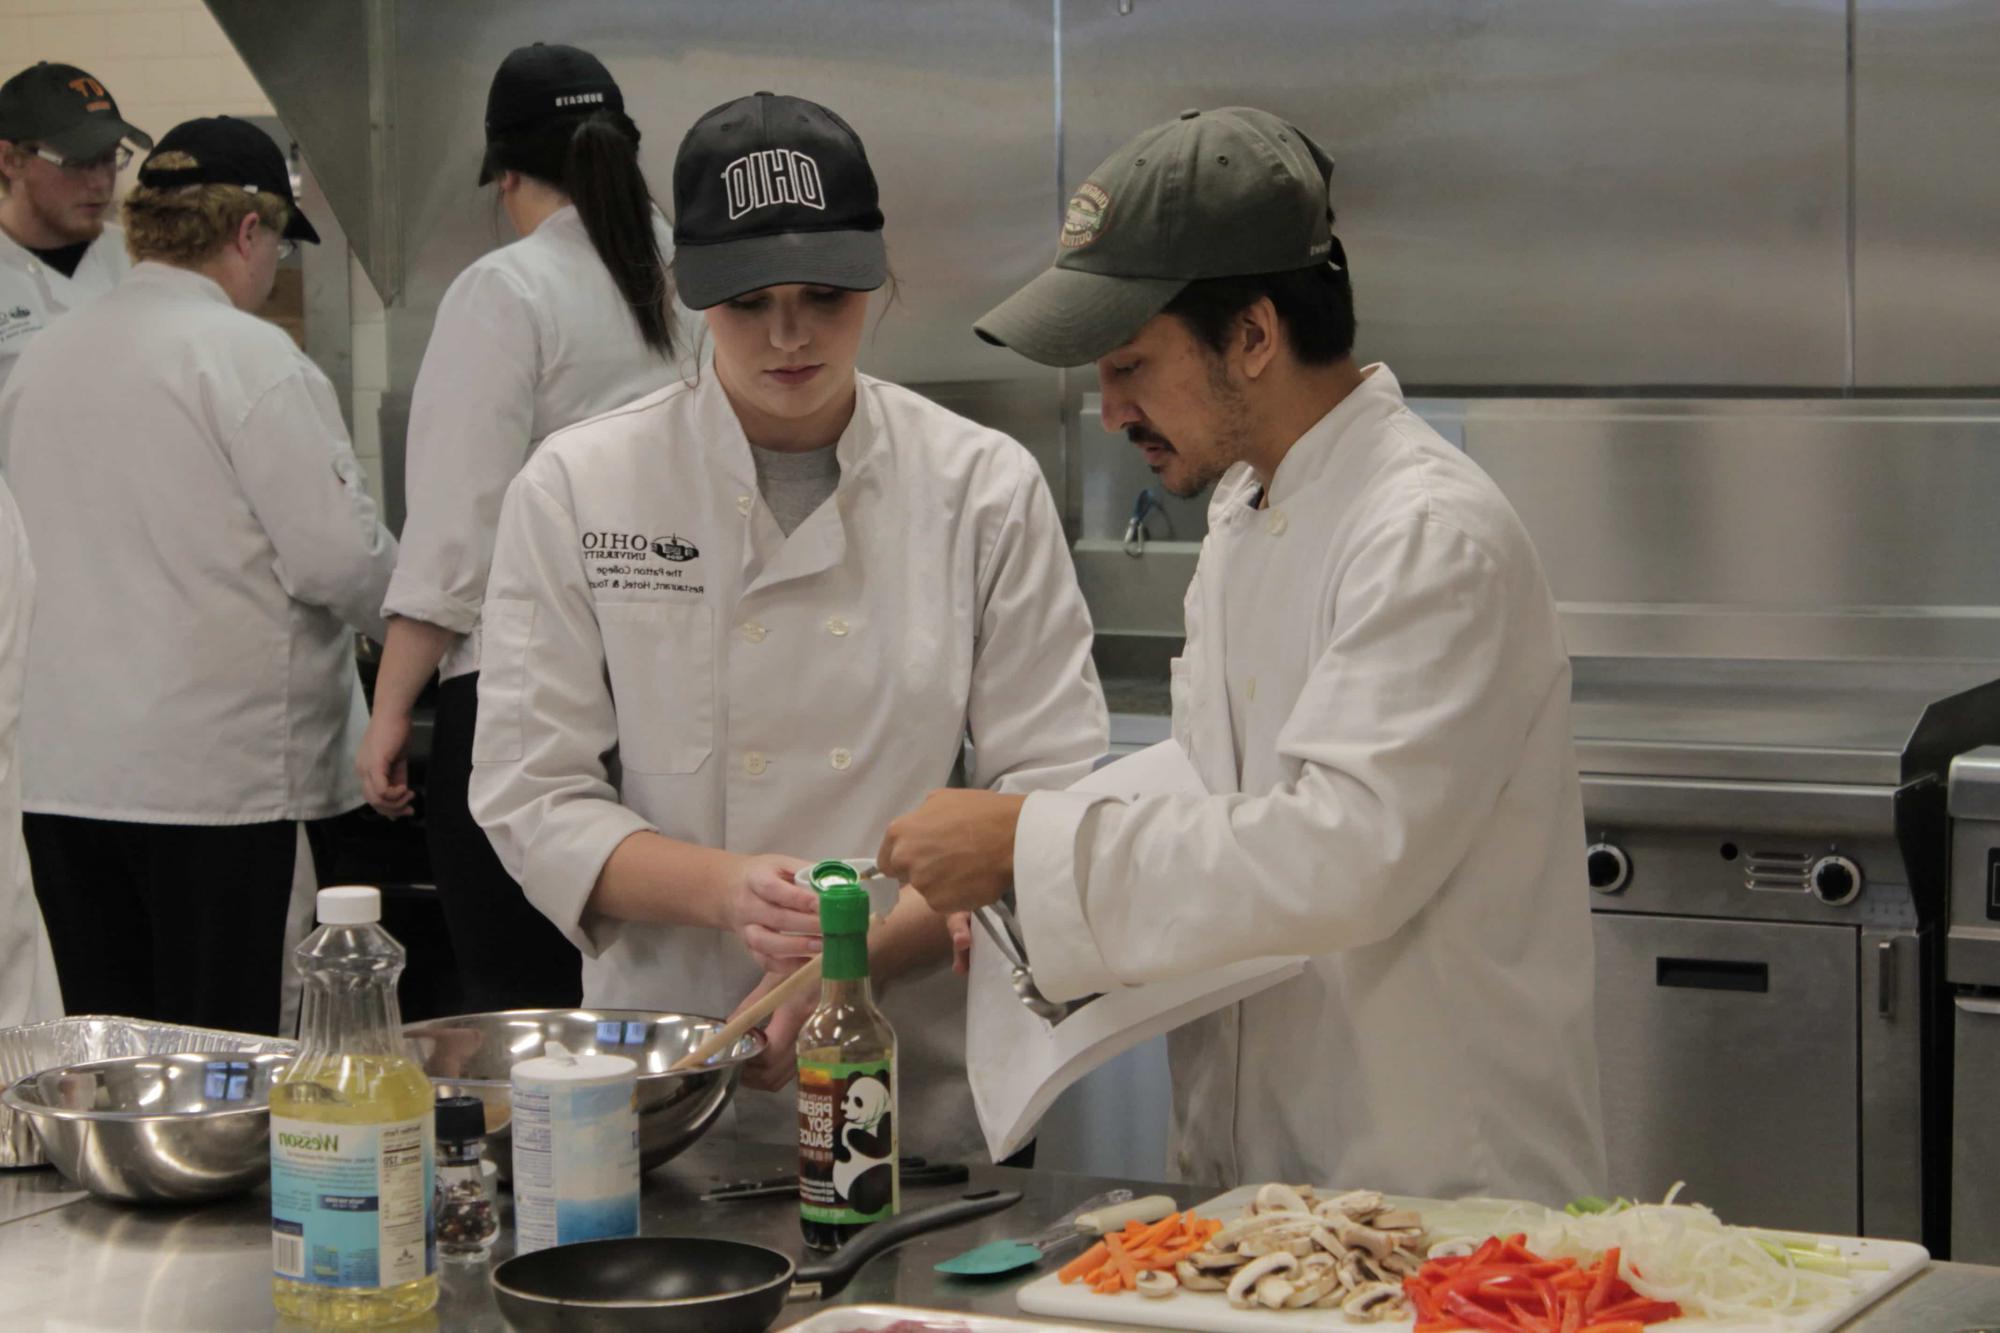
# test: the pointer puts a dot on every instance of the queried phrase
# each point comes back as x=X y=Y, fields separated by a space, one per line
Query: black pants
x=178 y=923
x=510 y=956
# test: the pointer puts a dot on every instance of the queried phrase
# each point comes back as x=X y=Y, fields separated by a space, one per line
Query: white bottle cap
x=349 y=906
x=558 y=1065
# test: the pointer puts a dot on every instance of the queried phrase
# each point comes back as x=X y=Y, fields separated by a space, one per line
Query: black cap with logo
x=771 y=189
x=65 y=111
x=222 y=150
x=1209 y=194
x=537 y=82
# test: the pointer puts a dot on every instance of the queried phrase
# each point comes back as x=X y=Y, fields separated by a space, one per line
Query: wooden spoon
x=727 y=1035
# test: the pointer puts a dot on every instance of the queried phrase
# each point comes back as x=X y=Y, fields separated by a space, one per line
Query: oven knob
x=1610 y=869
x=1836 y=881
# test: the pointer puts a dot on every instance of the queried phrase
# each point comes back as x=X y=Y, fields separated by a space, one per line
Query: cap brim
x=298 y=227
x=1067 y=317
x=708 y=275
x=94 y=136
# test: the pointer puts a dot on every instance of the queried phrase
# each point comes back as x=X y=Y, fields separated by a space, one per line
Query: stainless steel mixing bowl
x=472 y=1055
x=155 y=1128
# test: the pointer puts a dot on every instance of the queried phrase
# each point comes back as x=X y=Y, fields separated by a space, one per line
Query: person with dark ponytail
x=570 y=321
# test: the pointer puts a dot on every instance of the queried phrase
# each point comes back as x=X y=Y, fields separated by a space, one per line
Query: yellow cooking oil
x=352 y=1134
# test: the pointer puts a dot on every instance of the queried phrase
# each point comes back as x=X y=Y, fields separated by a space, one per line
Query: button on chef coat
x=622 y=565
x=33 y=295
x=28 y=989
x=1405 y=807
x=530 y=338
x=206 y=545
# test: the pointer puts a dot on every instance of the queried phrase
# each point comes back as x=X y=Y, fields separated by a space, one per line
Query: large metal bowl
x=473 y=1055
x=156 y=1128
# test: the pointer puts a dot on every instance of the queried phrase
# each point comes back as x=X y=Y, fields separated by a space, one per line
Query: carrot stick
x=1126 y=1268
x=1087 y=1262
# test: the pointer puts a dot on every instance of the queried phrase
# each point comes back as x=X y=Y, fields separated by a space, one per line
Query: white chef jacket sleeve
x=472 y=420
x=1035 y=711
x=1412 y=721
x=540 y=786
x=292 y=458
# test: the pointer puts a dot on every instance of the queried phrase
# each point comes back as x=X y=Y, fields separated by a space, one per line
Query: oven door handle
x=1974 y=1005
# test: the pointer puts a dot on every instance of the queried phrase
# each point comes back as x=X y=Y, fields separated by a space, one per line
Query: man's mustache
x=1140 y=435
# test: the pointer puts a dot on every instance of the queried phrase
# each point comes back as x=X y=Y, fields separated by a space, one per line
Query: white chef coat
x=1406 y=809
x=33 y=295
x=205 y=540
x=532 y=337
x=660 y=656
x=28 y=989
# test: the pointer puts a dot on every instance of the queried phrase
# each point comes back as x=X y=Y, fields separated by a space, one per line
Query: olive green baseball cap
x=1208 y=194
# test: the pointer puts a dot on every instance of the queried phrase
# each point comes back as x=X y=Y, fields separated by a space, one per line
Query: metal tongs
x=999 y=923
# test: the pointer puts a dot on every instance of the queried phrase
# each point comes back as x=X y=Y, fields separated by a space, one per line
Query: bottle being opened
x=352 y=1130
x=847 y=1078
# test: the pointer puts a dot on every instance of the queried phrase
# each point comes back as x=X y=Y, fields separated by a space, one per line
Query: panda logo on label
x=864 y=1170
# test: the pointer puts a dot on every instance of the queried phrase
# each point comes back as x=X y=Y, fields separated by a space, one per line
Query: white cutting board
x=1211 y=1311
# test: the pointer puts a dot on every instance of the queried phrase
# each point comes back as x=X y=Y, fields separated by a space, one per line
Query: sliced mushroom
x=1401 y=1263
x=1274 y=1242
x=1195 y=1280
x=1280 y=1199
x=1359 y=1203
x=1247 y=1277
x=1157 y=1283
x=1396 y=1219
x=1358 y=1236
x=1218 y=1261
x=1254 y=1224
x=1356 y=1271
x=1315 y=1282
x=1452 y=1249
x=1329 y=1242
x=1274 y=1291
x=1375 y=1300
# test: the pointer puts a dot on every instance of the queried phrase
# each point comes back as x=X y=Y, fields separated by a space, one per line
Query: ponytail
x=601 y=176
x=594 y=159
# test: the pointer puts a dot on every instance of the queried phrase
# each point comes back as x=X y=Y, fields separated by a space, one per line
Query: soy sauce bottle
x=847 y=1078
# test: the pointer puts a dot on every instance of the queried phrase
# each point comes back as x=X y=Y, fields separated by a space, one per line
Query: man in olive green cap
x=1375 y=696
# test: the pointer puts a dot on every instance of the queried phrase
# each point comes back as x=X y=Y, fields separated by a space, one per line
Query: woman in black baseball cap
x=573 y=319
x=752 y=617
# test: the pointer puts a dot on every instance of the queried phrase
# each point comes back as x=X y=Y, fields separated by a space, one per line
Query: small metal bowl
x=473 y=1055
x=156 y=1128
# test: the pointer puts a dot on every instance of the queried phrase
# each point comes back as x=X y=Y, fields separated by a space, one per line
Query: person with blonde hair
x=205 y=548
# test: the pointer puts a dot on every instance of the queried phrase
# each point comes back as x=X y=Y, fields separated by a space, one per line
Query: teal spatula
x=1092 y=1217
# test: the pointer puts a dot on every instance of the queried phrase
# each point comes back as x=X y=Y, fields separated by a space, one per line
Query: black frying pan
x=696 y=1284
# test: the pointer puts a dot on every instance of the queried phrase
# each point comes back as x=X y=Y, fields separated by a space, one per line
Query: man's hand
x=956 y=849
x=383 y=762
x=778 y=1064
x=776 y=918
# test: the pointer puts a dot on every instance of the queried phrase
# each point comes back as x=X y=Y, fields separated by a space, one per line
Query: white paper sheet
x=1019 y=1064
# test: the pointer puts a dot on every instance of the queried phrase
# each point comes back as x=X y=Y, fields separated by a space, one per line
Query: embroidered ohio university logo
x=1085 y=216
x=772 y=176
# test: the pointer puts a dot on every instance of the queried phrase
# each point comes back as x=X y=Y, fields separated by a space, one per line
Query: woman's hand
x=383 y=762
x=776 y=918
x=960 y=926
x=778 y=1063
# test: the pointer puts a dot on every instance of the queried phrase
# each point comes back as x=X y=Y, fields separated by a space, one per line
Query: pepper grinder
x=465 y=1212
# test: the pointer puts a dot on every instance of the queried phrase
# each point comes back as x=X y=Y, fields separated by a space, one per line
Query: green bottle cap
x=843 y=919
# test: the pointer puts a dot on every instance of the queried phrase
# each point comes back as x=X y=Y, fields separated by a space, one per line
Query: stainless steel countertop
x=81 y=1264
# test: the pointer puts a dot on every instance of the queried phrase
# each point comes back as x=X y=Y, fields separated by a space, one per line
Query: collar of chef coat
x=183 y=281
x=19 y=257
x=1334 y=448
x=819 y=543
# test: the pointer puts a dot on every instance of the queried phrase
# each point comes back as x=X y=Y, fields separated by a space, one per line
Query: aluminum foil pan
x=31 y=1048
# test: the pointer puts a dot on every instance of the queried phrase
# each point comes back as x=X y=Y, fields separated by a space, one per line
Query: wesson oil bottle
x=352 y=1130
x=847 y=1079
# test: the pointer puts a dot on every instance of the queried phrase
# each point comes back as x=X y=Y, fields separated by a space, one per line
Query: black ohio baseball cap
x=222 y=150
x=1209 y=194
x=537 y=82
x=66 y=111
x=770 y=189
